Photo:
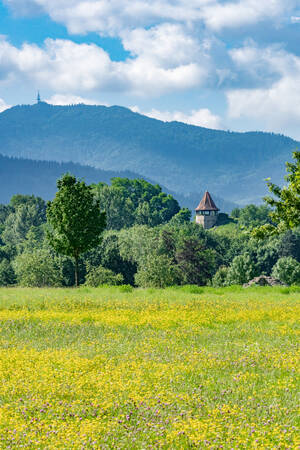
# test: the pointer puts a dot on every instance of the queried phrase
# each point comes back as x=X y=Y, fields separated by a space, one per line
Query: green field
x=175 y=368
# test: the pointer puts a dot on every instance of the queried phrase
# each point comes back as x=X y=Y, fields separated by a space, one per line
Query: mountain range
x=184 y=158
x=25 y=176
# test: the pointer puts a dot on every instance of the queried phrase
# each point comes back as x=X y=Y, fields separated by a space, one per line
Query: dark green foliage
x=224 y=219
x=38 y=268
x=27 y=214
x=7 y=274
x=185 y=254
x=220 y=277
x=108 y=255
x=129 y=202
x=37 y=203
x=241 y=270
x=183 y=216
x=287 y=270
x=157 y=271
x=289 y=244
x=75 y=220
x=97 y=276
x=252 y=216
x=196 y=263
x=286 y=204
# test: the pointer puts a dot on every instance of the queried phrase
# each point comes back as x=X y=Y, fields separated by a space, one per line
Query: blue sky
x=231 y=64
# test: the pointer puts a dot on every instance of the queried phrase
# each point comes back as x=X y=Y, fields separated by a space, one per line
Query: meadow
x=131 y=368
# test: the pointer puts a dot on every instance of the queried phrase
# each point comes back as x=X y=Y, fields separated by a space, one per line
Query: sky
x=223 y=64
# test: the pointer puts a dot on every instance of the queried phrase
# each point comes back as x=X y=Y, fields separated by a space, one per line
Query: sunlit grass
x=175 y=368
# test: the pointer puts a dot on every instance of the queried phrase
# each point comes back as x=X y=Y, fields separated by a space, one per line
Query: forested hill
x=182 y=157
x=24 y=176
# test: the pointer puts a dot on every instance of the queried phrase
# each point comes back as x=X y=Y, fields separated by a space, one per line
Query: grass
x=176 y=368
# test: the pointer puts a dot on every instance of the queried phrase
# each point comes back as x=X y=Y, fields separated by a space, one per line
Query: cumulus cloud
x=63 y=65
x=201 y=117
x=277 y=106
x=3 y=105
x=113 y=16
x=61 y=99
x=244 y=12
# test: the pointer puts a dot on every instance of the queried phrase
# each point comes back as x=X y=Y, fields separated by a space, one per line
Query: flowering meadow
x=135 y=369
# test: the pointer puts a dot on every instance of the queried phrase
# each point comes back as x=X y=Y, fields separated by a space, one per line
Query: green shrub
x=156 y=271
x=287 y=270
x=241 y=270
x=97 y=276
x=7 y=274
x=37 y=269
x=220 y=277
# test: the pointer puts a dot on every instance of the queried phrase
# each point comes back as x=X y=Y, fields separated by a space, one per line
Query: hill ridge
x=182 y=157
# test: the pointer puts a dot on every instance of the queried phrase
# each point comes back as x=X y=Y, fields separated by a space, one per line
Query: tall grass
x=182 y=367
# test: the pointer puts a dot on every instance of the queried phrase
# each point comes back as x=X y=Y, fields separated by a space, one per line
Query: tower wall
x=206 y=221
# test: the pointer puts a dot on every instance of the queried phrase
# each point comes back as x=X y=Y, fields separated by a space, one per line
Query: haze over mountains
x=182 y=157
x=25 y=176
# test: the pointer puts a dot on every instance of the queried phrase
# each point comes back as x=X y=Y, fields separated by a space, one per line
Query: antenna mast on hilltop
x=38 y=97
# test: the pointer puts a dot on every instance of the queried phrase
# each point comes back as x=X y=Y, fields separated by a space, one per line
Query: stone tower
x=207 y=212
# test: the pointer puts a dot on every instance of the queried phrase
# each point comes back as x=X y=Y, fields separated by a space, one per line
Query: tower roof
x=207 y=203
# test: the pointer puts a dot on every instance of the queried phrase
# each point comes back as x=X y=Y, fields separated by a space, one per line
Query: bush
x=7 y=274
x=241 y=270
x=97 y=276
x=287 y=270
x=157 y=271
x=220 y=277
x=37 y=269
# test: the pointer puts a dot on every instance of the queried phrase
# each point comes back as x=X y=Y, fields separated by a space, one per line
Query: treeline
x=149 y=242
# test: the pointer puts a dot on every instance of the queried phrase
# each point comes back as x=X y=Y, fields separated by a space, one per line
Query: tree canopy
x=75 y=220
x=286 y=204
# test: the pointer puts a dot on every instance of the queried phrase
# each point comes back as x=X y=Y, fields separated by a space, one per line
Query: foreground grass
x=173 y=368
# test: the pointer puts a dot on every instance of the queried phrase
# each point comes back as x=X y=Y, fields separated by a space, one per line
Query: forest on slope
x=182 y=157
x=29 y=177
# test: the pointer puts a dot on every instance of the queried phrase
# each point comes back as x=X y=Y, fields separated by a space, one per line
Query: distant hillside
x=182 y=157
x=24 y=176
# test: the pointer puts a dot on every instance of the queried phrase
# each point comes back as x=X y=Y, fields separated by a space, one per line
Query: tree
x=220 y=277
x=241 y=270
x=130 y=202
x=287 y=270
x=252 y=216
x=38 y=268
x=286 y=213
x=97 y=276
x=74 y=218
x=289 y=245
x=157 y=271
x=196 y=263
x=7 y=274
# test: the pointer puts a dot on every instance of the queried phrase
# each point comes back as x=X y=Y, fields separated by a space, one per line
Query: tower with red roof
x=207 y=212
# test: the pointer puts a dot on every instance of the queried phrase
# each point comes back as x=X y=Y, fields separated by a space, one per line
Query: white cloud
x=244 y=12
x=295 y=19
x=60 y=64
x=168 y=44
x=65 y=66
x=61 y=99
x=3 y=105
x=276 y=106
x=113 y=16
x=201 y=117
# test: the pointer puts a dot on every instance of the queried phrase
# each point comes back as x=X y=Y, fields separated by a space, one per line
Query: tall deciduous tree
x=286 y=206
x=75 y=220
